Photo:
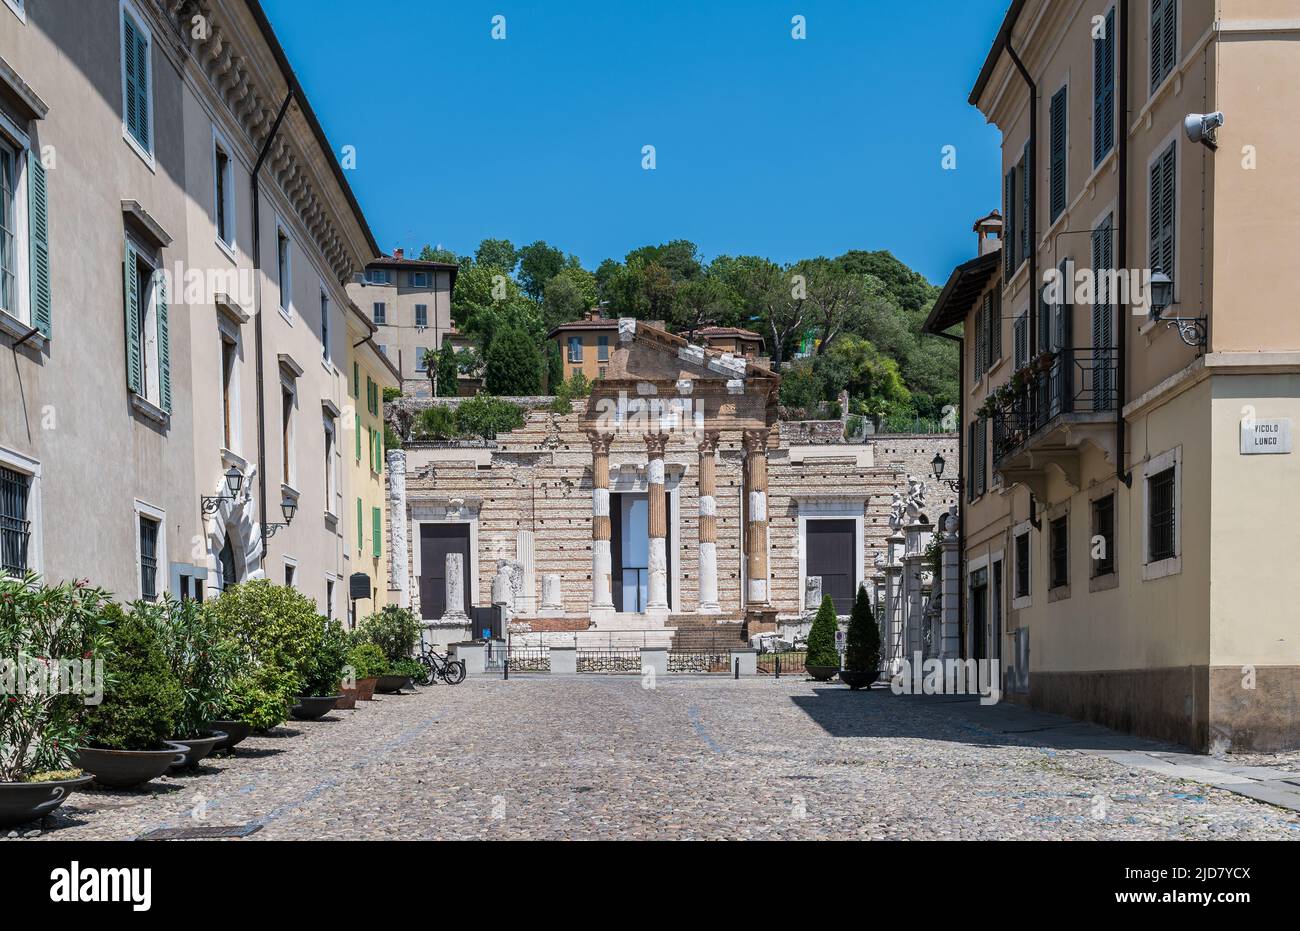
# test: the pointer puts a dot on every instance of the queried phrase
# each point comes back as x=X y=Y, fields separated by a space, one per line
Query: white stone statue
x=503 y=588
x=812 y=592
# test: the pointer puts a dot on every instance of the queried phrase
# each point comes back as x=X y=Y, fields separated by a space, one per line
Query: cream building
x=364 y=454
x=1129 y=472
x=196 y=402
x=410 y=301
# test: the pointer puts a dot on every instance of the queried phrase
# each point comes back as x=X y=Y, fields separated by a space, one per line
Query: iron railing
x=1075 y=381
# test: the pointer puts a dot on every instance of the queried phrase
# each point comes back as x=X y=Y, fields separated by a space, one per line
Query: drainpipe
x=1033 y=216
x=1121 y=309
x=257 y=311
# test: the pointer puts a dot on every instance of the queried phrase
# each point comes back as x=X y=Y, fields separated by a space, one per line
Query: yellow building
x=370 y=372
x=1129 y=508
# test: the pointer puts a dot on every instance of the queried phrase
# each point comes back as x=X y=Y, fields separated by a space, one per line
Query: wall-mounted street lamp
x=234 y=481
x=937 y=464
x=288 y=507
x=1191 y=330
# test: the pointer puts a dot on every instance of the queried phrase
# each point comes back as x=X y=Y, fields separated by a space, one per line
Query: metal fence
x=609 y=660
x=783 y=663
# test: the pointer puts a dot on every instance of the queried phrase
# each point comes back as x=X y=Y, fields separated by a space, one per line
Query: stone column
x=894 y=645
x=949 y=628
x=601 y=560
x=398 y=570
x=455 y=611
x=756 y=517
x=708 y=601
x=657 y=589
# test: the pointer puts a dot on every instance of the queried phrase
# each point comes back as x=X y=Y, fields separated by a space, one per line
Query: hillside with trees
x=850 y=323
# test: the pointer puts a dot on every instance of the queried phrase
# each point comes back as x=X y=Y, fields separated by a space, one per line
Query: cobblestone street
x=601 y=757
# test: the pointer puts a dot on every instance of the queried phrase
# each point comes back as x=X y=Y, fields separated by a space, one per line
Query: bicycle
x=438 y=666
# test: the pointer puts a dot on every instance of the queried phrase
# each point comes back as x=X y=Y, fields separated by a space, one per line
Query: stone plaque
x=1266 y=437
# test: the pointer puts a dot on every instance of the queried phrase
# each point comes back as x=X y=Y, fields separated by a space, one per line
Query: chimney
x=989 y=232
x=398 y=253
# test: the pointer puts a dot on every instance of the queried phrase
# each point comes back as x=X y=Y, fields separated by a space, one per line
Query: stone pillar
x=526 y=595
x=950 y=585
x=657 y=589
x=756 y=517
x=455 y=611
x=602 y=599
x=552 y=599
x=894 y=645
x=708 y=600
x=398 y=570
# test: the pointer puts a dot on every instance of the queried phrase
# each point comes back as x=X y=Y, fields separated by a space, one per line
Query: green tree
x=143 y=703
x=679 y=258
x=554 y=367
x=497 y=253
x=855 y=365
x=514 y=364
x=538 y=264
x=821 y=639
x=430 y=254
x=862 y=643
x=564 y=301
x=775 y=297
x=703 y=302
x=448 y=371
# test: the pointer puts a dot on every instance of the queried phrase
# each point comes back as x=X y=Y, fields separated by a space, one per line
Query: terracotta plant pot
x=366 y=689
x=347 y=699
x=822 y=673
x=391 y=685
x=121 y=769
x=314 y=707
x=198 y=747
x=236 y=732
x=857 y=680
x=22 y=802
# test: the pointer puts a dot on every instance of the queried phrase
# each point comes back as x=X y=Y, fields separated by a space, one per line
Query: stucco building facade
x=1128 y=465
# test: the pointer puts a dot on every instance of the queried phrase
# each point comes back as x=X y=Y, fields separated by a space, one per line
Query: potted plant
x=861 y=646
x=324 y=666
x=274 y=631
x=201 y=660
x=253 y=701
x=400 y=675
x=395 y=631
x=823 y=659
x=127 y=733
x=40 y=728
x=367 y=663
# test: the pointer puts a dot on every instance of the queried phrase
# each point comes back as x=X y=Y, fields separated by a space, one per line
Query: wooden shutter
x=1163 y=212
x=1103 y=337
x=377 y=521
x=39 y=230
x=982 y=456
x=1164 y=40
x=1022 y=341
x=1027 y=204
x=1063 y=334
x=128 y=66
x=981 y=341
x=164 y=346
x=970 y=459
x=995 y=325
x=361 y=525
x=1060 y=188
x=1103 y=92
x=134 y=361
x=1009 y=223
x=358 y=433
x=135 y=51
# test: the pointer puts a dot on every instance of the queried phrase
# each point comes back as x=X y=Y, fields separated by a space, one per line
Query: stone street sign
x=1265 y=437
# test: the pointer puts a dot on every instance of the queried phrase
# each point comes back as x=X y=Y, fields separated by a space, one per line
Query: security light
x=1202 y=127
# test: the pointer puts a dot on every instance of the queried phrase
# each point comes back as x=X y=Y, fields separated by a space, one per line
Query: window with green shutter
x=356 y=381
x=1027 y=205
x=131 y=292
x=377 y=521
x=361 y=527
x=358 y=433
x=1059 y=187
x=39 y=234
x=1164 y=40
x=1009 y=237
x=1103 y=91
x=1164 y=185
x=135 y=81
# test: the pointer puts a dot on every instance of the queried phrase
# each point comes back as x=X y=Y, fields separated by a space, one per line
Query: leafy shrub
x=367 y=661
x=405 y=667
x=436 y=423
x=277 y=632
x=514 y=363
x=39 y=728
x=143 y=703
x=392 y=394
x=862 y=643
x=258 y=698
x=201 y=657
x=576 y=387
x=394 y=630
x=391 y=439
x=821 y=639
x=486 y=416
x=325 y=667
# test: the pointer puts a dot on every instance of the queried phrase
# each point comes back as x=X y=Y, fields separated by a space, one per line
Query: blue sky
x=765 y=145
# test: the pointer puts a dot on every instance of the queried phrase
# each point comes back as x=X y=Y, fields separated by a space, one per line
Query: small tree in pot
x=862 y=645
x=322 y=671
x=823 y=659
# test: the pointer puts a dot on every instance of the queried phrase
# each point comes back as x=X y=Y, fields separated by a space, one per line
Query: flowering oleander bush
x=40 y=626
x=202 y=656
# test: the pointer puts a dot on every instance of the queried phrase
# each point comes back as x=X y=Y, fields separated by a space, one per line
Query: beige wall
x=364 y=485
x=399 y=336
x=591 y=365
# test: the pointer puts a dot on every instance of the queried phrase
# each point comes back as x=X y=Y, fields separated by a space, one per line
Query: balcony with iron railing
x=1049 y=409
